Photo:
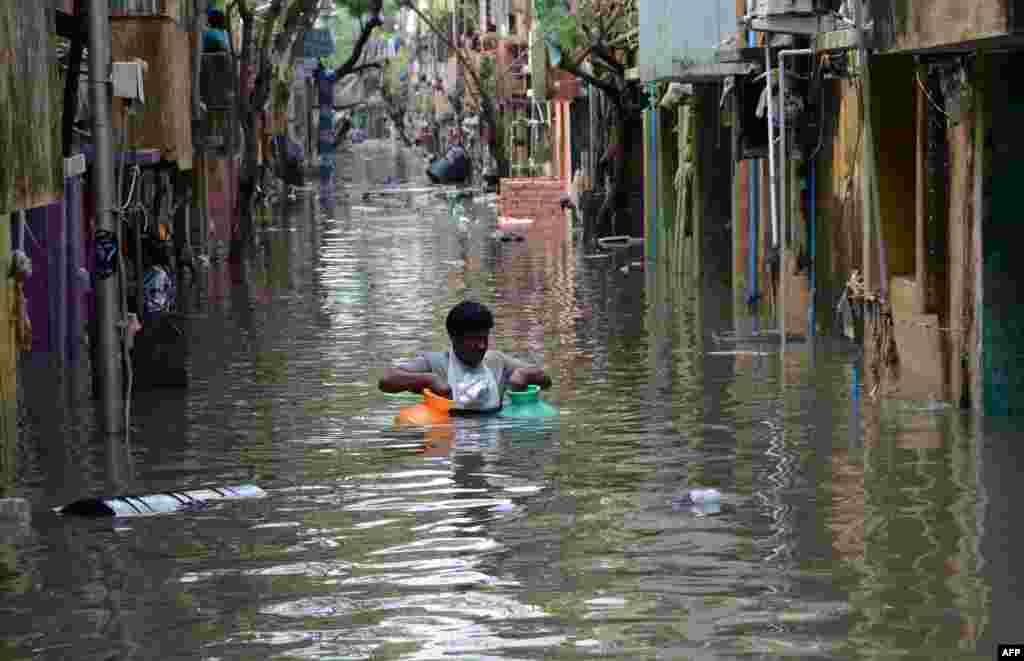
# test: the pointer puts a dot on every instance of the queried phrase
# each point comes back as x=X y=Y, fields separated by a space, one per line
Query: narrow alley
x=845 y=531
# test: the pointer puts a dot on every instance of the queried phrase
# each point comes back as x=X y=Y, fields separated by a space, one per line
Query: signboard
x=318 y=43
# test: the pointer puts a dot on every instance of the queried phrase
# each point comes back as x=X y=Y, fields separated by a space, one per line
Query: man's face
x=470 y=348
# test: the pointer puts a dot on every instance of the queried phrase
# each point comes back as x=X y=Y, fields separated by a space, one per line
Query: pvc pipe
x=754 y=202
x=811 y=320
x=771 y=145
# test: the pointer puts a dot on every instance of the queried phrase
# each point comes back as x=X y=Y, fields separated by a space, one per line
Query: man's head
x=469 y=326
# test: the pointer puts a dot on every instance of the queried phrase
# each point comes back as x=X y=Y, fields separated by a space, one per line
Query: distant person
x=468 y=373
x=215 y=39
x=158 y=286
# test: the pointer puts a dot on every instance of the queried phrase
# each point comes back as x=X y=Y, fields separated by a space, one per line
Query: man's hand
x=528 y=376
x=439 y=387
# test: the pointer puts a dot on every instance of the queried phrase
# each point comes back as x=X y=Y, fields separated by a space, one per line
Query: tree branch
x=611 y=90
x=349 y=65
x=364 y=67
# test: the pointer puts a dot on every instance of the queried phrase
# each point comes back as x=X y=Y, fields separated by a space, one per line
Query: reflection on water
x=849 y=528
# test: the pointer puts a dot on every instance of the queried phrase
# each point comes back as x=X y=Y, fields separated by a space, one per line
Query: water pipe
x=754 y=205
x=811 y=320
x=771 y=145
x=784 y=176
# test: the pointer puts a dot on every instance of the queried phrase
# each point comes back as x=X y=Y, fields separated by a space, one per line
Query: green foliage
x=347 y=23
x=489 y=76
x=557 y=25
x=394 y=86
x=607 y=21
x=282 y=88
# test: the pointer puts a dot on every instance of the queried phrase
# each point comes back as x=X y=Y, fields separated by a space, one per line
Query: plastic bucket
x=527 y=404
x=433 y=410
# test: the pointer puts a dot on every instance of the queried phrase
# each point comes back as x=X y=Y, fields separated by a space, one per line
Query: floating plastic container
x=433 y=410
x=527 y=404
x=158 y=503
x=705 y=496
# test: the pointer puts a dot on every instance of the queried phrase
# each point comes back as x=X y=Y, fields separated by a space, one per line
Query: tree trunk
x=494 y=142
x=607 y=217
x=246 y=188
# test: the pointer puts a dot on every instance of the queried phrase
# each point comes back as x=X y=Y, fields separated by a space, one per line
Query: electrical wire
x=123 y=324
x=917 y=76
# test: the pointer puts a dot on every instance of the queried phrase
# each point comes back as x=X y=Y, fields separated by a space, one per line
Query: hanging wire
x=924 y=89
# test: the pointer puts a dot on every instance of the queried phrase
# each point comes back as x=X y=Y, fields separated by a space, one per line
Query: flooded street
x=848 y=529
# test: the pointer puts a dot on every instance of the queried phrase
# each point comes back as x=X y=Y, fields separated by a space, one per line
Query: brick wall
x=533 y=197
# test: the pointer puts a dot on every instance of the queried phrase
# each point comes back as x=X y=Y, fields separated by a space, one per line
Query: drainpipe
x=811 y=318
x=108 y=342
x=772 y=174
x=754 y=204
x=784 y=168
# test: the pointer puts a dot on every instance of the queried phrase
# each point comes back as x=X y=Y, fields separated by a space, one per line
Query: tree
x=268 y=42
x=594 y=43
x=479 y=87
x=395 y=92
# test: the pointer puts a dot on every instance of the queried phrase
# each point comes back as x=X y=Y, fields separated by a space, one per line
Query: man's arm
x=521 y=374
x=529 y=376
x=413 y=376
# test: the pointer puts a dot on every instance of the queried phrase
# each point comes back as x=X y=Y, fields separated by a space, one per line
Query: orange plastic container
x=433 y=410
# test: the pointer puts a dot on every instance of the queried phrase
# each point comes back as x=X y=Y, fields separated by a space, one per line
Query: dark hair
x=469 y=317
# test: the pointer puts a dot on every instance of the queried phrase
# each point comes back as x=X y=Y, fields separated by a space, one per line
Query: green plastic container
x=527 y=404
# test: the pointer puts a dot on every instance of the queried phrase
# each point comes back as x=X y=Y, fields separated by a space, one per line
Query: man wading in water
x=469 y=374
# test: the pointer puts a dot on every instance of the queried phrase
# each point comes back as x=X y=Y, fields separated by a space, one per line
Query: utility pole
x=108 y=343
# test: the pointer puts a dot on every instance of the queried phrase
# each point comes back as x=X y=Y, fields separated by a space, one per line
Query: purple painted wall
x=53 y=240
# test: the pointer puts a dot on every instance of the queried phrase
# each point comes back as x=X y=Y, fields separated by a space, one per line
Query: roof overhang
x=711 y=73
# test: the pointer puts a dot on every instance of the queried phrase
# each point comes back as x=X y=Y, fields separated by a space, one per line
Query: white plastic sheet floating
x=738 y=352
x=159 y=503
x=508 y=220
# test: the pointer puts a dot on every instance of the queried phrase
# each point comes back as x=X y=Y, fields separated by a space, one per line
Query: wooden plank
x=8 y=368
x=165 y=123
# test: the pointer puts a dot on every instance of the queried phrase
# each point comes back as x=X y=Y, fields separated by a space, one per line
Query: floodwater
x=849 y=529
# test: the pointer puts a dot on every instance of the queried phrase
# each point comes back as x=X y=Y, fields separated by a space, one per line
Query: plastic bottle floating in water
x=527 y=404
x=701 y=502
x=705 y=496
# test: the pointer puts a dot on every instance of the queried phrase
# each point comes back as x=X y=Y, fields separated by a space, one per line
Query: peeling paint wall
x=902 y=25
